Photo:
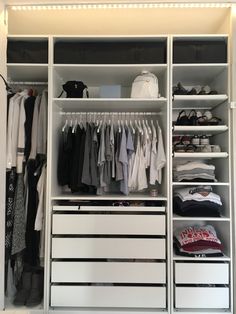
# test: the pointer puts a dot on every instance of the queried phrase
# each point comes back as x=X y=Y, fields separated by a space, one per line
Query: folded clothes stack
x=197 y=241
x=195 y=171
x=196 y=202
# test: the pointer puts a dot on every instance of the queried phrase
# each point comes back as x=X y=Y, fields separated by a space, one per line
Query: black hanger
x=8 y=88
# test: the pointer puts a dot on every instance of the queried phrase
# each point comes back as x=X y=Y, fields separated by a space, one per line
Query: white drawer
x=108 y=224
x=101 y=296
x=200 y=273
x=106 y=272
x=108 y=248
x=202 y=297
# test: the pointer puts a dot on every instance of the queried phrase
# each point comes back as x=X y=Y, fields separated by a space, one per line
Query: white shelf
x=186 y=258
x=183 y=218
x=197 y=74
x=200 y=183
x=92 y=74
x=198 y=101
x=201 y=155
x=110 y=104
x=144 y=197
x=27 y=72
x=206 y=130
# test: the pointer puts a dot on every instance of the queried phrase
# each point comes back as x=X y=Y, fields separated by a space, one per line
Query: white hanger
x=66 y=123
x=75 y=123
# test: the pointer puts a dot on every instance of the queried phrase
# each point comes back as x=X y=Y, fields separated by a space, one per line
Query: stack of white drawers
x=108 y=257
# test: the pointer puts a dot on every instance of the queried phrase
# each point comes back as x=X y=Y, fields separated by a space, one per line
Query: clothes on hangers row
x=106 y=157
x=26 y=164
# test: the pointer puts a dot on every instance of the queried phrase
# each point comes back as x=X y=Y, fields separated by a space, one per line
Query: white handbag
x=145 y=86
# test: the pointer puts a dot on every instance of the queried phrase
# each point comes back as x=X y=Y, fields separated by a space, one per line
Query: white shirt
x=158 y=157
x=42 y=125
x=12 y=131
x=34 y=133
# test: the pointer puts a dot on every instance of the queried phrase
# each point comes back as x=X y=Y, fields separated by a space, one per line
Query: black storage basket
x=19 y=51
x=110 y=52
x=200 y=51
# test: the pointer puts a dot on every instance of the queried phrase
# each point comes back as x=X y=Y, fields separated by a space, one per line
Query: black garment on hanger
x=32 y=237
x=29 y=111
x=65 y=157
x=11 y=177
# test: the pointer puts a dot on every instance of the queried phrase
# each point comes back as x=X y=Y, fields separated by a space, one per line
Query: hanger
x=131 y=124
x=66 y=124
x=75 y=123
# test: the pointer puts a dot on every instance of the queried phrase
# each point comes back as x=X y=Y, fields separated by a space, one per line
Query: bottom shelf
x=10 y=307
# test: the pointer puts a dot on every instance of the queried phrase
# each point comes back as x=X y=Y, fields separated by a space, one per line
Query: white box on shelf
x=110 y=91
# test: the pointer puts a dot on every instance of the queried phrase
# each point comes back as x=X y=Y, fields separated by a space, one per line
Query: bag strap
x=60 y=94
x=192 y=113
x=180 y=113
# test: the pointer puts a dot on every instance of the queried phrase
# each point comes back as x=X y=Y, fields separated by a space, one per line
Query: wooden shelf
x=201 y=155
x=182 y=218
x=133 y=196
x=200 y=183
x=199 y=130
x=110 y=104
x=197 y=101
x=186 y=258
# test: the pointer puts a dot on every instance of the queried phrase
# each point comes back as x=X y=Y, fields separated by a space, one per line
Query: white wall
x=120 y=21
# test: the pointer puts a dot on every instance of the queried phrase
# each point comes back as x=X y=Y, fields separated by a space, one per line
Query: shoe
x=179 y=90
x=204 y=140
x=22 y=295
x=36 y=292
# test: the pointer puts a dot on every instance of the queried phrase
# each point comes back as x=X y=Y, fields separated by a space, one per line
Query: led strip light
x=138 y=5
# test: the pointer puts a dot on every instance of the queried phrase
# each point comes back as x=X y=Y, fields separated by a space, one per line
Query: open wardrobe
x=118 y=157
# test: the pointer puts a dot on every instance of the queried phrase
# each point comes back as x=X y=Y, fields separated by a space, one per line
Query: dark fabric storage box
x=110 y=52
x=19 y=51
x=200 y=51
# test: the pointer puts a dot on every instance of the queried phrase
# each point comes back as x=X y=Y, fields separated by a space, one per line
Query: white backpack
x=145 y=86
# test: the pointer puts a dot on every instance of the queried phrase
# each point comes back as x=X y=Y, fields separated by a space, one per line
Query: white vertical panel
x=233 y=143
x=3 y=34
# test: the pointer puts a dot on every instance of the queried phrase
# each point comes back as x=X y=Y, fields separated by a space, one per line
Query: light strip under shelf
x=120 y=5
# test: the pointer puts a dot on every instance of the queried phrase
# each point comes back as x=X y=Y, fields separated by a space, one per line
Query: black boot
x=23 y=293
x=36 y=293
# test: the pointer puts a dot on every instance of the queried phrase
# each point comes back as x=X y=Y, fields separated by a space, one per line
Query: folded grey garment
x=196 y=176
x=205 y=251
x=194 y=171
x=194 y=164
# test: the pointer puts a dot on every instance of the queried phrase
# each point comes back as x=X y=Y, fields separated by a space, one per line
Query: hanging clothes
x=105 y=158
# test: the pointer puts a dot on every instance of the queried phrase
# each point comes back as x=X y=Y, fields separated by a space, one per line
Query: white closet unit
x=107 y=259
x=203 y=283
x=103 y=257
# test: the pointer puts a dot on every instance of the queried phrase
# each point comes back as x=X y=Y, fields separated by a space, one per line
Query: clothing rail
x=27 y=83
x=121 y=114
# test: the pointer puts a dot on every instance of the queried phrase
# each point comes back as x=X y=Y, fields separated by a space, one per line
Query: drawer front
x=108 y=248
x=199 y=273
x=204 y=297
x=109 y=224
x=123 y=272
x=84 y=296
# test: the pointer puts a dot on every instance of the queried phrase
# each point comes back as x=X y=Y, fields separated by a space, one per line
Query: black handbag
x=74 y=89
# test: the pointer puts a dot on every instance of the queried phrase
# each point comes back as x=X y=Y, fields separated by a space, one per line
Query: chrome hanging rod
x=122 y=114
x=27 y=83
